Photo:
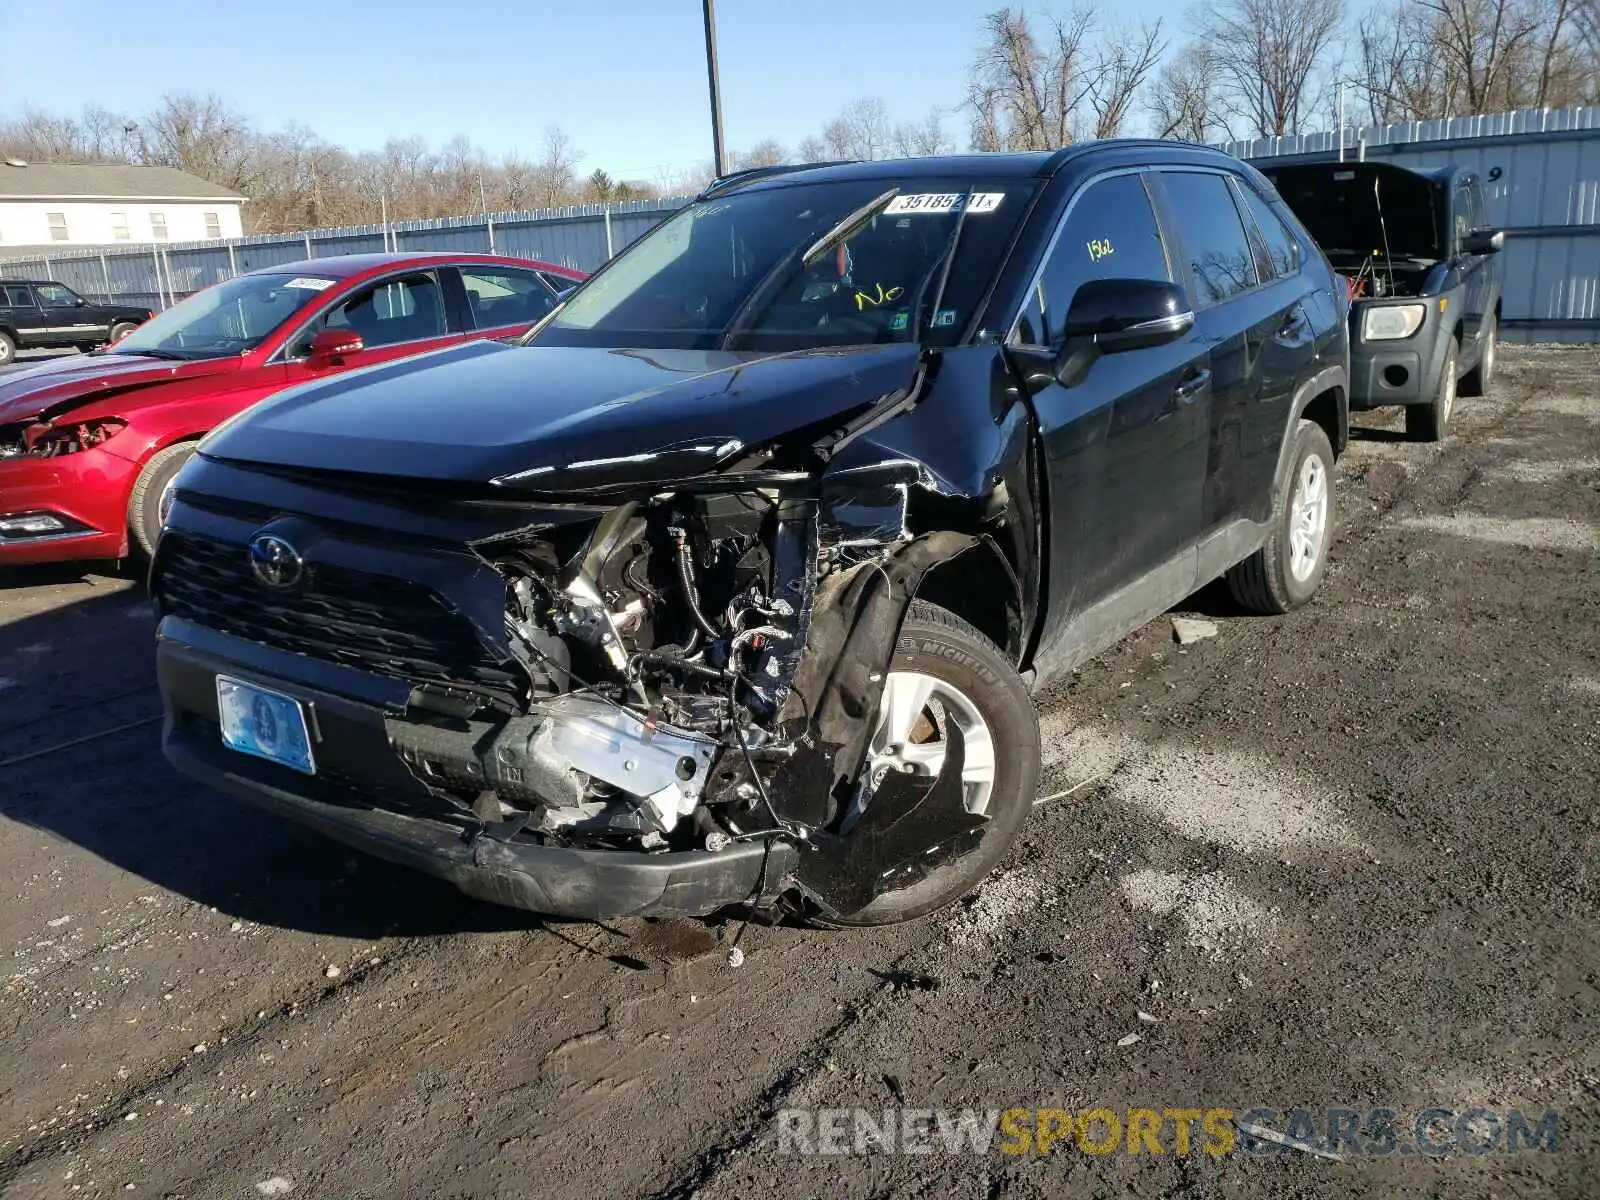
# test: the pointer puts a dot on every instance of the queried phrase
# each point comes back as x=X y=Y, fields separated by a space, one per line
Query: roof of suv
x=1031 y=164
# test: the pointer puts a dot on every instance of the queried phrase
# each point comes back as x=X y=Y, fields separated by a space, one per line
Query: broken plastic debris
x=332 y=972
x=59 y=922
x=276 y=1186
x=1148 y=1018
x=1190 y=629
x=736 y=957
x=1129 y=1039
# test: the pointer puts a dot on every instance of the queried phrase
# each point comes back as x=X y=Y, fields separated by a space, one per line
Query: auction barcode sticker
x=943 y=202
x=306 y=281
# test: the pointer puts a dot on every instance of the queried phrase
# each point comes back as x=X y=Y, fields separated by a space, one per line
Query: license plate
x=256 y=720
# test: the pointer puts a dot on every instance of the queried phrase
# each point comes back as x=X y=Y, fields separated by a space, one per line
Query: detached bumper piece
x=365 y=797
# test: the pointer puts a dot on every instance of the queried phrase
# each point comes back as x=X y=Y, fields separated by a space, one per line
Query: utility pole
x=716 y=89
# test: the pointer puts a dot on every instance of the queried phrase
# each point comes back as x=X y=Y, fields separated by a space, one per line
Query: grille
x=373 y=623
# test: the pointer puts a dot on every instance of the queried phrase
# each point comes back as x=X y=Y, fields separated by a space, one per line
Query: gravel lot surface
x=1342 y=858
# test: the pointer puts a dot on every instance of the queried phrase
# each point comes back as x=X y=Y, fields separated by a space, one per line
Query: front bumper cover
x=580 y=884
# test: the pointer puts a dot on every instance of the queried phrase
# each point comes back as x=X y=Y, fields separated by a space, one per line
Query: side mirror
x=1484 y=241
x=80 y=302
x=329 y=347
x=1109 y=316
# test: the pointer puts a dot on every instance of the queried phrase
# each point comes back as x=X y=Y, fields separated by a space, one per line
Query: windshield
x=795 y=266
x=228 y=318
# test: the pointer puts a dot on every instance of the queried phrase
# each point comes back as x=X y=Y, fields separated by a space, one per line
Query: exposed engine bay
x=45 y=439
x=1377 y=277
x=685 y=689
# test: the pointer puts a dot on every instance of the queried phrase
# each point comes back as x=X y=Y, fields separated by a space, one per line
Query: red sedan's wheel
x=151 y=495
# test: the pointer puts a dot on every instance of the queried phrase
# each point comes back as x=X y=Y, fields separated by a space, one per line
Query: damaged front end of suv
x=629 y=644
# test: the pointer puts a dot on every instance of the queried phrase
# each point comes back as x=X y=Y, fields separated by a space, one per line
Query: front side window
x=227 y=318
x=54 y=295
x=498 y=296
x=1215 y=246
x=559 y=284
x=795 y=266
x=58 y=226
x=1109 y=233
x=1281 y=253
x=407 y=309
x=158 y=226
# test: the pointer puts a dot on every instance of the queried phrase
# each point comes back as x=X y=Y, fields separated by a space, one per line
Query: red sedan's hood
x=59 y=385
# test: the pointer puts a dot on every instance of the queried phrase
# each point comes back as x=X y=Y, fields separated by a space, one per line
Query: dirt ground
x=1343 y=858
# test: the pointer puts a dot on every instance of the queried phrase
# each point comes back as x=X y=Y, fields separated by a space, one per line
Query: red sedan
x=89 y=444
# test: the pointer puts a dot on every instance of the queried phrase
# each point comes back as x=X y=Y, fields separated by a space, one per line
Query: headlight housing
x=1391 y=322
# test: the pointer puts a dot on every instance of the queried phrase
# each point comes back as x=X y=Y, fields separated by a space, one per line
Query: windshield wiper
x=173 y=355
x=941 y=267
x=780 y=270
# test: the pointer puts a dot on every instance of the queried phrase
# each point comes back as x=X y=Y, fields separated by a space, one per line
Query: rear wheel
x=1283 y=574
x=944 y=672
x=1428 y=422
x=152 y=495
x=8 y=349
x=1481 y=376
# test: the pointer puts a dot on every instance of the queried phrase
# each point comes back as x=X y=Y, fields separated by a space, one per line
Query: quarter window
x=158 y=226
x=58 y=226
x=1215 y=247
x=407 y=309
x=502 y=297
x=1282 y=257
x=119 y=226
x=1110 y=233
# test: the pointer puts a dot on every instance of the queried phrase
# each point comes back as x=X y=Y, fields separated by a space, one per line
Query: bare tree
x=927 y=136
x=811 y=149
x=1184 y=103
x=1274 y=57
x=556 y=173
x=861 y=130
x=203 y=136
x=1033 y=90
x=765 y=153
x=1481 y=41
x=1120 y=72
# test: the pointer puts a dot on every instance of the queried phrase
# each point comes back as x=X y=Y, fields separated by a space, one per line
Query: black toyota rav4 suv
x=728 y=582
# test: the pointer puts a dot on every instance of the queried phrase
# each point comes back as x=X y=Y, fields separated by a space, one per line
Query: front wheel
x=121 y=330
x=1283 y=574
x=1428 y=422
x=944 y=672
x=152 y=495
x=1481 y=376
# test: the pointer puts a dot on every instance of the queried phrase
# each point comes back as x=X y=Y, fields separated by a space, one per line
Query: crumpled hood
x=549 y=418
x=61 y=384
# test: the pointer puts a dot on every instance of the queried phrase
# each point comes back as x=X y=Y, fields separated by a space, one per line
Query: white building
x=46 y=206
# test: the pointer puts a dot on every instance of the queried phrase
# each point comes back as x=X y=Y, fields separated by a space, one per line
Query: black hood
x=554 y=418
x=1339 y=203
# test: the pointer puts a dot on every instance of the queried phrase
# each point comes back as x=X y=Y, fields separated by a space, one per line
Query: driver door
x=1125 y=444
x=397 y=316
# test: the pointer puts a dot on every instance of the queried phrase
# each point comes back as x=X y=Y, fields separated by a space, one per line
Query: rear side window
x=1281 y=252
x=1110 y=233
x=15 y=297
x=1215 y=247
x=498 y=296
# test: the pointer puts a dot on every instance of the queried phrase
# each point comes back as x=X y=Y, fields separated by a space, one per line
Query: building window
x=58 y=226
x=119 y=226
x=158 y=226
x=213 y=225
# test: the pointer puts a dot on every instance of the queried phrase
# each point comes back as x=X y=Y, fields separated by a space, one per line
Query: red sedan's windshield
x=229 y=318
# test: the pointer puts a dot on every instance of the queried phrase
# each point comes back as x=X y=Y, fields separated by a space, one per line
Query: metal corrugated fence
x=1541 y=174
x=581 y=236
x=1541 y=170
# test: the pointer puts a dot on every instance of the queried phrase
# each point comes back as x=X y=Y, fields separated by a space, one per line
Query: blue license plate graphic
x=267 y=724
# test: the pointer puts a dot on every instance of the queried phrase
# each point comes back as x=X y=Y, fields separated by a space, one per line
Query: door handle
x=1293 y=325
x=1194 y=382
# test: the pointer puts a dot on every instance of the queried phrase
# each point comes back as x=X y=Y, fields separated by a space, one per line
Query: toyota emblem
x=275 y=562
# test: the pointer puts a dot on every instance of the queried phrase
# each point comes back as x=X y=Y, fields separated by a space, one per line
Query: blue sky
x=624 y=78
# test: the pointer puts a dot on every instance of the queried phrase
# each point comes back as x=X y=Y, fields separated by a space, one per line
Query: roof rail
x=750 y=174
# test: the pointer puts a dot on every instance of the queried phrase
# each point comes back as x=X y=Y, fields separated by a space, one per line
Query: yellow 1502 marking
x=1099 y=248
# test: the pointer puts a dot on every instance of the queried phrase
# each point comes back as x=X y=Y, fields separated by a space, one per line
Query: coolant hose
x=690 y=596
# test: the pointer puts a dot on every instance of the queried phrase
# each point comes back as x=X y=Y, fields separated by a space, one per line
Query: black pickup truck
x=40 y=314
